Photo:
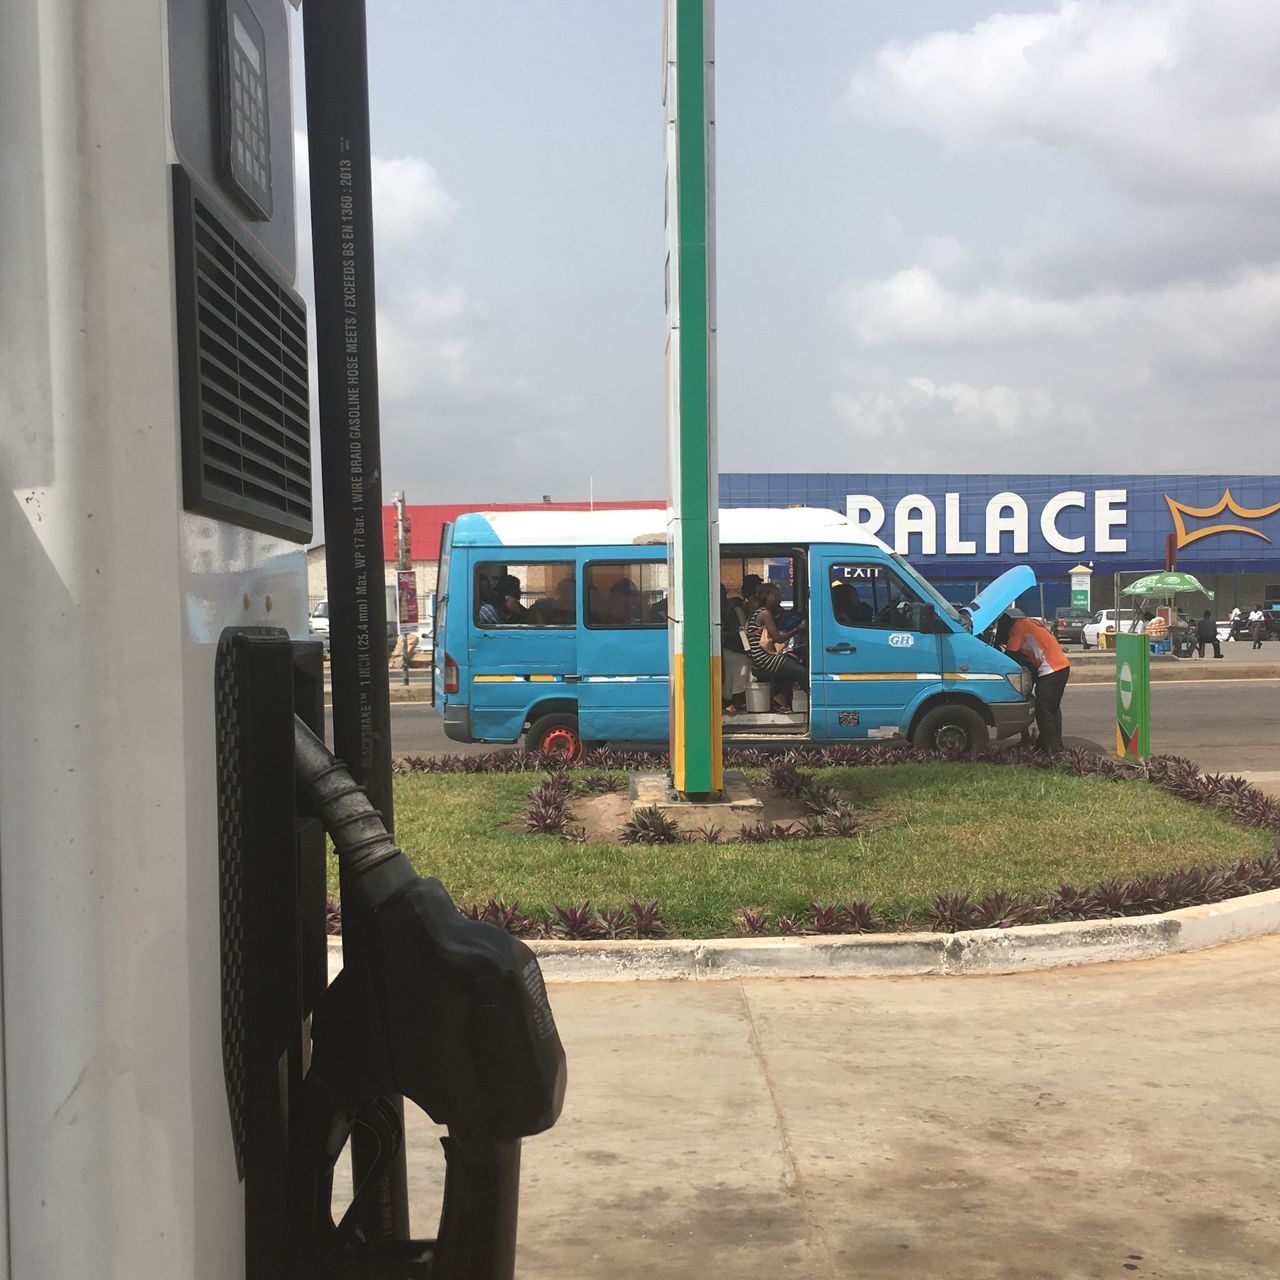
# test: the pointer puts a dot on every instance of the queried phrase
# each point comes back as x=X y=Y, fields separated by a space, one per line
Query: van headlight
x=1022 y=680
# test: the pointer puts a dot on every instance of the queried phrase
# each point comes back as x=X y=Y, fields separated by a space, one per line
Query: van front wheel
x=953 y=729
x=555 y=735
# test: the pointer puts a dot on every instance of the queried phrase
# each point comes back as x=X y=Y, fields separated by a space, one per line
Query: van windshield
x=943 y=604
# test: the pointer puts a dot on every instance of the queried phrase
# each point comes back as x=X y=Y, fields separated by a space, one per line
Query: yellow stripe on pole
x=717 y=724
x=677 y=722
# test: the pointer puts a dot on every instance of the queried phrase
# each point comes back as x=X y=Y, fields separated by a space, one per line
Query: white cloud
x=1230 y=321
x=917 y=409
x=410 y=205
x=1129 y=317
x=914 y=308
x=1166 y=98
x=453 y=412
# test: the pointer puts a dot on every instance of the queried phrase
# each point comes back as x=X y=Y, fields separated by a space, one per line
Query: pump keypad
x=246 y=123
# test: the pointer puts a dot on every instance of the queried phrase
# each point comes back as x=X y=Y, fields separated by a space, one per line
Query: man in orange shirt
x=1032 y=644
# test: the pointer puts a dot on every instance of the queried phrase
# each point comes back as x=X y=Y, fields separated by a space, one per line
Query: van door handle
x=569 y=678
x=842 y=647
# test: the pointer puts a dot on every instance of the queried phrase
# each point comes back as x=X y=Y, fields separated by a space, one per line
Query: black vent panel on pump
x=242 y=358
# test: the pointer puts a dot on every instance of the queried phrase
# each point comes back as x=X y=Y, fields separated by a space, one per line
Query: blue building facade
x=963 y=530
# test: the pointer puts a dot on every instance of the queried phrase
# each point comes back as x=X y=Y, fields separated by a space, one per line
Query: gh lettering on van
x=1074 y=522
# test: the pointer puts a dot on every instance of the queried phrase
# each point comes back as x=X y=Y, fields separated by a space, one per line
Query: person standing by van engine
x=1032 y=643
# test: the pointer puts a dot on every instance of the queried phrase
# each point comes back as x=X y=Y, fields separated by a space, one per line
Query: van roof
x=739 y=526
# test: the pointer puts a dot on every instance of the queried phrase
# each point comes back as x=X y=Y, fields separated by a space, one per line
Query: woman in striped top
x=770 y=658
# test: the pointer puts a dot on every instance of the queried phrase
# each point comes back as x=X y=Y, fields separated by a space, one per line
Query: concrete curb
x=980 y=951
x=1188 y=669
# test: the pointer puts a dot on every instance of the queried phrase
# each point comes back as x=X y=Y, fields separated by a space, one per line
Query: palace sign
x=918 y=528
x=984 y=523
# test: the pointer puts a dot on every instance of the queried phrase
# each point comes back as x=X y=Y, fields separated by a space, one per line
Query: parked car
x=1069 y=623
x=425 y=634
x=318 y=622
x=1105 y=621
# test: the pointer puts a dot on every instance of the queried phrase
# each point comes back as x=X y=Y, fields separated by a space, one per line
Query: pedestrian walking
x=1237 y=624
x=1257 y=625
x=1033 y=644
x=1207 y=633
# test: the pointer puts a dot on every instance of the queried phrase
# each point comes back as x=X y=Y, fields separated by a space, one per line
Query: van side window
x=530 y=594
x=627 y=594
x=871 y=595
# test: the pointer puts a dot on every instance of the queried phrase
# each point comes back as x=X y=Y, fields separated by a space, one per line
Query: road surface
x=1079 y=1124
x=1224 y=725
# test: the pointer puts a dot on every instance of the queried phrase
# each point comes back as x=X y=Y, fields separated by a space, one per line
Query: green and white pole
x=697 y=756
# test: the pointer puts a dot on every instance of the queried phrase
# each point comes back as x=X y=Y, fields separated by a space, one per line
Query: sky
x=950 y=237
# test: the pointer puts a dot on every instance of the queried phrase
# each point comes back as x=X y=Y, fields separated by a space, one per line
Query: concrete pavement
x=1121 y=1120
x=1239 y=661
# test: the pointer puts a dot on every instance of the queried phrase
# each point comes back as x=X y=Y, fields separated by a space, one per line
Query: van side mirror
x=925 y=619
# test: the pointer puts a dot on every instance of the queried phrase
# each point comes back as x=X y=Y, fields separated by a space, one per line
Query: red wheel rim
x=561 y=742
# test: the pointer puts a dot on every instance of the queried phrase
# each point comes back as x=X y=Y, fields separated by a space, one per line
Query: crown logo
x=1227 y=503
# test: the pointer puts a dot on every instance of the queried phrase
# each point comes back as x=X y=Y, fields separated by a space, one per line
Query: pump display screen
x=246 y=135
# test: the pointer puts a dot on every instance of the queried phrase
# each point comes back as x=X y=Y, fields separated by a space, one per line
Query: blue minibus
x=552 y=626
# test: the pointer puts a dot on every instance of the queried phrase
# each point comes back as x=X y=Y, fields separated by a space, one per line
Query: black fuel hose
x=373 y=868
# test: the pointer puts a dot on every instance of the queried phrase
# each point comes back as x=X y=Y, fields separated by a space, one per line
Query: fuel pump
x=178 y=1078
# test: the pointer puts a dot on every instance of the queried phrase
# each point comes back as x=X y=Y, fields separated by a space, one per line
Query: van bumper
x=457 y=722
x=1012 y=718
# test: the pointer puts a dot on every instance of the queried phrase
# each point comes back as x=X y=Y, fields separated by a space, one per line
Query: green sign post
x=1080 y=577
x=697 y=757
x=1133 y=696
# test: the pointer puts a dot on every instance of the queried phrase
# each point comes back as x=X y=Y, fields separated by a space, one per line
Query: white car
x=1105 y=621
x=425 y=634
x=318 y=622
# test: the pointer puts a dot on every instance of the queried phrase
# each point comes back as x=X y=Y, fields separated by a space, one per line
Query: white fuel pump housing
x=122 y=563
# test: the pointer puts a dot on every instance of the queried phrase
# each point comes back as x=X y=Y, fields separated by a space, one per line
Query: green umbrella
x=1166 y=584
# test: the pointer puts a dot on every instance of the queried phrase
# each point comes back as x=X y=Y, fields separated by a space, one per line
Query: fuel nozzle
x=448 y=1012
x=456 y=1008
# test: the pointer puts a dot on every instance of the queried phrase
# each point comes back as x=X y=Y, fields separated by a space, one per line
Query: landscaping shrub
x=951 y=913
x=999 y=910
x=613 y=924
x=646 y=918
x=753 y=921
x=576 y=921
x=787 y=780
x=547 y=812
x=508 y=918
x=824 y=918
x=861 y=917
x=649 y=826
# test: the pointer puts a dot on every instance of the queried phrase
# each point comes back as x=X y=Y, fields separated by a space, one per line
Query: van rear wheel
x=555 y=735
x=953 y=729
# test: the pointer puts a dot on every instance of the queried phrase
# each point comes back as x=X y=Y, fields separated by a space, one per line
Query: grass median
x=930 y=828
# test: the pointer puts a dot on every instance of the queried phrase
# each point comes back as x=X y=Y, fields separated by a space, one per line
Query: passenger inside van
x=487 y=608
x=508 y=593
x=849 y=609
x=555 y=610
x=733 y=652
x=771 y=657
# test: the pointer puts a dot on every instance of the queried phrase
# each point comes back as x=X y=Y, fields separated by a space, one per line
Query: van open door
x=439 y=684
x=750 y=712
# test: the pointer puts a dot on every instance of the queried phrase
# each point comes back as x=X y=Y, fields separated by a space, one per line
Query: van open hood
x=988 y=605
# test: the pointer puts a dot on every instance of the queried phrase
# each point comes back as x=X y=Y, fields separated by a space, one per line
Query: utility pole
x=697 y=755
x=402 y=564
